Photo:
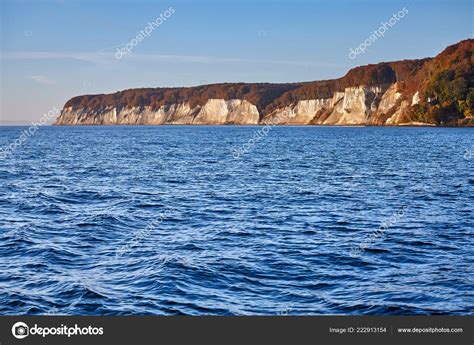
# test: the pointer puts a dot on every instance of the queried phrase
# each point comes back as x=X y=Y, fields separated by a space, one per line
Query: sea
x=236 y=220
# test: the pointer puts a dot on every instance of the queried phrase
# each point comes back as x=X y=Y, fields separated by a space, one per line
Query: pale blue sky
x=54 y=50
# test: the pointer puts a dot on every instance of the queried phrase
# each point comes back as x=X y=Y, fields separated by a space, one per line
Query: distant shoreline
x=414 y=125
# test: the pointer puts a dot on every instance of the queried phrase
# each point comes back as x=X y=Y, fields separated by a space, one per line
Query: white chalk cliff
x=361 y=105
x=215 y=111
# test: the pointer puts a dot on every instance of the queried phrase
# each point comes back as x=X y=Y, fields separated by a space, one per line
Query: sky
x=52 y=50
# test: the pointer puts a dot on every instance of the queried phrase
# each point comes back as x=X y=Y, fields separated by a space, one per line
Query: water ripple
x=163 y=220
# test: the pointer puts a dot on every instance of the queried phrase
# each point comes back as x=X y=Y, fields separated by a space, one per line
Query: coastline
x=413 y=124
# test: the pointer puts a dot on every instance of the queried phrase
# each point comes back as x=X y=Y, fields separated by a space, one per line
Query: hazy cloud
x=108 y=57
x=41 y=79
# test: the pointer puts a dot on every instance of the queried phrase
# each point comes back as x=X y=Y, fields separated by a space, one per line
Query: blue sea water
x=306 y=221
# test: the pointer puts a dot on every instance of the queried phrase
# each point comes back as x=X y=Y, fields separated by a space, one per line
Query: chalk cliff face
x=355 y=106
x=383 y=94
x=214 y=112
x=220 y=111
x=359 y=105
